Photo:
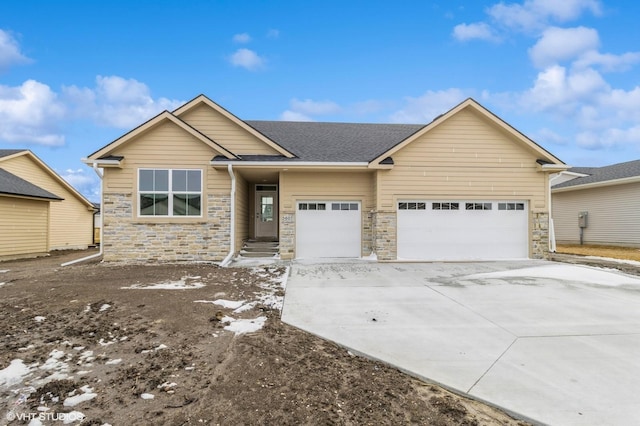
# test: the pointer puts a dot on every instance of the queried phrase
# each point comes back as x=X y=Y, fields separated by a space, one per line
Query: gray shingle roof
x=8 y=152
x=14 y=185
x=603 y=174
x=335 y=142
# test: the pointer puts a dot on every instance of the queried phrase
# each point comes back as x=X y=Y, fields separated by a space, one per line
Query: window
x=167 y=192
x=478 y=206
x=445 y=206
x=344 y=206
x=412 y=206
x=510 y=206
x=312 y=206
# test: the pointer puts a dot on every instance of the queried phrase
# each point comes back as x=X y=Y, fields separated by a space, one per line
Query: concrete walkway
x=553 y=343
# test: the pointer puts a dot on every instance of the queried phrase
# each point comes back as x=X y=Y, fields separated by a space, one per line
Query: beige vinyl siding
x=225 y=132
x=165 y=146
x=71 y=221
x=23 y=228
x=296 y=186
x=242 y=211
x=464 y=157
x=614 y=215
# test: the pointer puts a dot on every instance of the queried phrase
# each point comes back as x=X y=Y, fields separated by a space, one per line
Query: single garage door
x=328 y=229
x=462 y=230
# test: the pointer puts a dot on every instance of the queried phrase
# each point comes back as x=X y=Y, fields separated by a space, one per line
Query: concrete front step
x=260 y=249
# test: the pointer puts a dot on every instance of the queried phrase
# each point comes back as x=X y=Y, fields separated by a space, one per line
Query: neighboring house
x=39 y=211
x=610 y=197
x=193 y=184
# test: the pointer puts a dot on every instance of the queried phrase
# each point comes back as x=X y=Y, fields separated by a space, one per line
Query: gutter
x=101 y=176
x=232 y=231
x=290 y=164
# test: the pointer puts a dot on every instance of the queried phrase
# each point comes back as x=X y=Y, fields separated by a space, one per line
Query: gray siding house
x=610 y=197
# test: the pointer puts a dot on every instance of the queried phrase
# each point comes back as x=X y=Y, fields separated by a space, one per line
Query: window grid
x=478 y=206
x=510 y=206
x=312 y=206
x=170 y=192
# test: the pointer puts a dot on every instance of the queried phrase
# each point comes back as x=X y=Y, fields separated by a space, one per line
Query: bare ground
x=98 y=338
x=614 y=252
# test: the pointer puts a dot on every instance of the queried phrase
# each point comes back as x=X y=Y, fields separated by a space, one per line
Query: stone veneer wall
x=127 y=239
x=384 y=235
x=540 y=236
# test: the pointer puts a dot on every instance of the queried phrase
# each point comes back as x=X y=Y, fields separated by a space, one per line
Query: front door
x=267 y=212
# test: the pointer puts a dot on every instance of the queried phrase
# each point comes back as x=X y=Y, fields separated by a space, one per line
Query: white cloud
x=289 y=115
x=562 y=44
x=87 y=183
x=311 y=107
x=475 y=31
x=242 y=38
x=533 y=15
x=248 y=59
x=117 y=102
x=304 y=110
x=427 y=107
x=546 y=136
x=29 y=114
x=559 y=91
x=608 y=62
x=10 y=51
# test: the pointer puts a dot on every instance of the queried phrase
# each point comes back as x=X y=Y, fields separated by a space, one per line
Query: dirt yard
x=101 y=344
x=625 y=253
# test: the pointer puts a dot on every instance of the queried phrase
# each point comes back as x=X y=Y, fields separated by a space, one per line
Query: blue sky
x=74 y=75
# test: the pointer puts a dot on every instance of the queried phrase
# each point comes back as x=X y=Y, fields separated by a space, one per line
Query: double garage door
x=328 y=229
x=462 y=230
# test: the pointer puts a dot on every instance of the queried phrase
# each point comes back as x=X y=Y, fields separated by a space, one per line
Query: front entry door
x=266 y=212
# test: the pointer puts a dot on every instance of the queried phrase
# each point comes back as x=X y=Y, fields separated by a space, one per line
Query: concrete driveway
x=551 y=342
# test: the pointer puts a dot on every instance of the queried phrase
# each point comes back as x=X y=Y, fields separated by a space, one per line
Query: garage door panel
x=330 y=232
x=461 y=234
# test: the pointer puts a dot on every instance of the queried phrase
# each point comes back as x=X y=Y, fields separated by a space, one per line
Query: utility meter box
x=582 y=219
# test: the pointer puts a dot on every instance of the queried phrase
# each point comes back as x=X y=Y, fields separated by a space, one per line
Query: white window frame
x=170 y=193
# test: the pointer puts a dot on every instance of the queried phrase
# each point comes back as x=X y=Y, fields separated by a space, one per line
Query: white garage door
x=462 y=230
x=328 y=229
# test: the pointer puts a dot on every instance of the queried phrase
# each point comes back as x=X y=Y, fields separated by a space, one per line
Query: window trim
x=170 y=194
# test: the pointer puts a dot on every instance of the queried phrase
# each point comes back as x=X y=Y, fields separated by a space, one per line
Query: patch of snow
x=14 y=373
x=566 y=272
x=3 y=271
x=86 y=395
x=113 y=361
x=101 y=342
x=147 y=396
x=245 y=307
x=184 y=283
x=35 y=422
x=26 y=348
x=72 y=417
x=1 y=284
x=242 y=326
x=372 y=257
x=158 y=348
x=104 y=307
x=39 y=318
x=228 y=304
x=610 y=259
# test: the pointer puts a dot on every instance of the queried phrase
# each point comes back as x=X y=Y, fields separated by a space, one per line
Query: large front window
x=168 y=192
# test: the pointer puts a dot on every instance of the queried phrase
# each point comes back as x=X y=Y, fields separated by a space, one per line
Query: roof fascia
x=290 y=165
x=202 y=99
x=632 y=179
x=58 y=178
x=14 y=155
x=158 y=119
x=471 y=103
x=29 y=197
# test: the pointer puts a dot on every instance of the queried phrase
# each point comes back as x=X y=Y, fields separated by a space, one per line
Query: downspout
x=232 y=221
x=100 y=175
x=552 y=230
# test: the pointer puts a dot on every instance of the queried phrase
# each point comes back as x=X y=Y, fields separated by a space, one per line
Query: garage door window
x=477 y=206
x=312 y=206
x=445 y=206
x=510 y=206
x=412 y=206
x=344 y=206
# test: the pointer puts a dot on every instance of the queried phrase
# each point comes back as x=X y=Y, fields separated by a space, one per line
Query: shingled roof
x=8 y=152
x=11 y=184
x=618 y=171
x=334 y=142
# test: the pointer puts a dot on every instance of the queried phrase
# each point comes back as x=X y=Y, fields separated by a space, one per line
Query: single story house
x=39 y=211
x=604 y=200
x=195 y=183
